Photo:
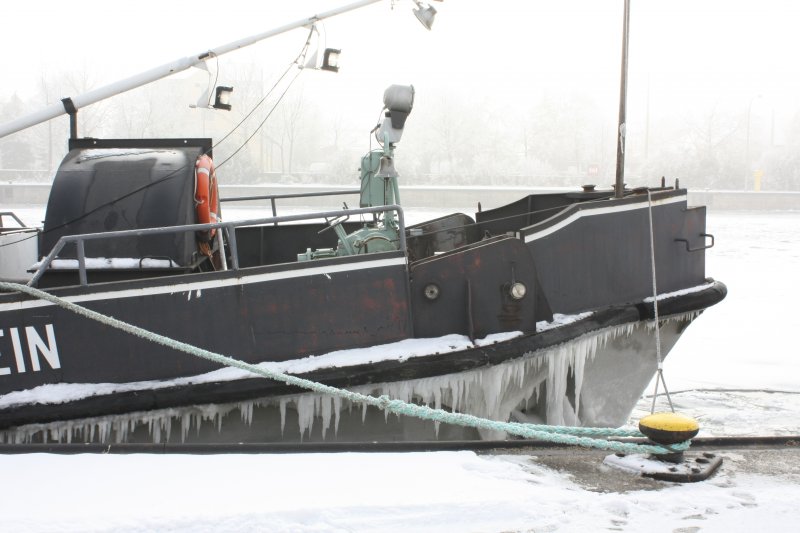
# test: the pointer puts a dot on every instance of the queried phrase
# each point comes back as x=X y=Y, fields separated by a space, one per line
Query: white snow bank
x=420 y=492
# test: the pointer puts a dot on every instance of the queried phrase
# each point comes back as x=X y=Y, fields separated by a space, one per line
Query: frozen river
x=748 y=340
x=742 y=354
x=736 y=369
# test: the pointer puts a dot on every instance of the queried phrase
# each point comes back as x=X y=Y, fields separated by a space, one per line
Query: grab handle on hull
x=706 y=247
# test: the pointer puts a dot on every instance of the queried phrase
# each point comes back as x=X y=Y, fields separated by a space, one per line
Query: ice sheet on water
x=733 y=412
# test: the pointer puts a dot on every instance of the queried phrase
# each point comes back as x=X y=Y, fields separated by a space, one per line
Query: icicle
x=305 y=413
x=337 y=408
x=326 y=409
x=317 y=410
x=186 y=421
x=246 y=411
x=169 y=428
x=578 y=367
x=282 y=407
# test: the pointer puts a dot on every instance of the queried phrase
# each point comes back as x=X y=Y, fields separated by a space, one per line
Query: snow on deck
x=110 y=263
x=396 y=351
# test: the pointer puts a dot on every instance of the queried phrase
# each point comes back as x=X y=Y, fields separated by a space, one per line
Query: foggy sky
x=688 y=57
x=698 y=48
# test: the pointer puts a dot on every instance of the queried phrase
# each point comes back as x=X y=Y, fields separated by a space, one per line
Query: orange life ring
x=206 y=195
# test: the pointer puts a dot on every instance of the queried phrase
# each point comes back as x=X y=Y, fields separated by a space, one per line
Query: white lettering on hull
x=17 y=350
x=36 y=345
x=37 y=348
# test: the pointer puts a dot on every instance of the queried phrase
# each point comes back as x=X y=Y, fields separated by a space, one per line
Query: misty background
x=513 y=93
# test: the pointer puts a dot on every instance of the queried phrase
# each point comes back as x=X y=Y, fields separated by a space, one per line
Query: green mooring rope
x=586 y=437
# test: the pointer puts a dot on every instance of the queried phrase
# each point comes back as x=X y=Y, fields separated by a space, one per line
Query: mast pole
x=76 y=102
x=619 y=187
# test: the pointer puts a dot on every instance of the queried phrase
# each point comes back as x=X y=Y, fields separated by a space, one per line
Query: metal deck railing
x=273 y=197
x=228 y=227
x=12 y=215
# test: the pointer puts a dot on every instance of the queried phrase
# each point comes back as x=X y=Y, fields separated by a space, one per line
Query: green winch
x=378 y=186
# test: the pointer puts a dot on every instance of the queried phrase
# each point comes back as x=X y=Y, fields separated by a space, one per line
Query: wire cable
x=216 y=78
x=297 y=60
x=258 y=128
x=176 y=172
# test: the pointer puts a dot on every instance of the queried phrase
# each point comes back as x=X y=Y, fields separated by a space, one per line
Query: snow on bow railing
x=573 y=436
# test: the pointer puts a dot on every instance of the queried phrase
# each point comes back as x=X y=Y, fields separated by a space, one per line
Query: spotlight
x=424 y=14
x=330 y=60
x=223 y=98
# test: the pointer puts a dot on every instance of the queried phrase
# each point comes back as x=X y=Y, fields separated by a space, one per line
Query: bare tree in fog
x=54 y=129
x=290 y=123
x=782 y=163
x=16 y=151
x=92 y=118
x=135 y=117
x=560 y=134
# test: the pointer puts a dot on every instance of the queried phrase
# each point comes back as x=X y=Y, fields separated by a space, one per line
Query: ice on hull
x=593 y=380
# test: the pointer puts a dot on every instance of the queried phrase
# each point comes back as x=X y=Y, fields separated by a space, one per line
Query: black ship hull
x=501 y=280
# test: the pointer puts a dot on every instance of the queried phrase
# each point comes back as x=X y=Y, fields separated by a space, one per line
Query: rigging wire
x=659 y=357
x=258 y=128
x=169 y=176
x=175 y=173
x=216 y=77
x=297 y=61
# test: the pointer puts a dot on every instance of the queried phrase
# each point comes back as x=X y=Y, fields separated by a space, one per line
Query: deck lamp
x=222 y=100
x=330 y=60
x=424 y=14
x=518 y=290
